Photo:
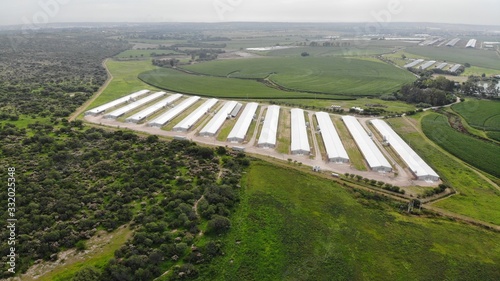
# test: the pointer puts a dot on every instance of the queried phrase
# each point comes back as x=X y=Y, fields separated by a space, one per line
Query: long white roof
x=411 y=158
x=154 y=108
x=441 y=65
x=300 y=141
x=216 y=122
x=414 y=63
x=240 y=129
x=270 y=127
x=370 y=151
x=471 y=43
x=192 y=118
x=455 y=68
x=427 y=64
x=172 y=113
x=129 y=107
x=106 y=106
x=331 y=139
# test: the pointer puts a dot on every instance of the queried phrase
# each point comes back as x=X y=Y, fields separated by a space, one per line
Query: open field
x=473 y=151
x=124 y=80
x=480 y=114
x=177 y=81
x=477 y=197
x=295 y=226
x=332 y=75
x=144 y=54
x=475 y=57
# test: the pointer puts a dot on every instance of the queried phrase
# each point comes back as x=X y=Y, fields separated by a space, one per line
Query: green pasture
x=480 y=114
x=332 y=75
x=476 y=197
x=177 y=81
x=124 y=80
x=295 y=226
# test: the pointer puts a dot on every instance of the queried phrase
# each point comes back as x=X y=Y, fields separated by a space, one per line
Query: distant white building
x=270 y=128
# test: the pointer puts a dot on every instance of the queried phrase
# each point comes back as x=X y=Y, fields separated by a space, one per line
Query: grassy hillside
x=295 y=226
x=333 y=75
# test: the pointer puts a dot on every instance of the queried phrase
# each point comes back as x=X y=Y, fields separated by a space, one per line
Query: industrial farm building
x=300 y=140
x=172 y=113
x=453 y=42
x=129 y=107
x=417 y=166
x=471 y=43
x=441 y=65
x=138 y=117
x=427 y=64
x=196 y=115
x=241 y=127
x=414 y=63
x=103 y=108
x=455 y=68
x=270 y=128
x=369 y=149
x=334 y=148
x=216 y=122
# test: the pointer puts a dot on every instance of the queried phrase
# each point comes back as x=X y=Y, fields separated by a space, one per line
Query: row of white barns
x=136 y=118
x=300 y=140
x=131 y=106
x=418 y=167
x=216 y=122
x=172 y=113
x=269 y=130
x=241 y=127
x=195 y=116
x=369 y=149
x=334 y=148
x=103 y=108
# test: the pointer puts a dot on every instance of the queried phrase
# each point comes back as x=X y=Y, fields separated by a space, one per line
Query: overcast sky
x=440 y=11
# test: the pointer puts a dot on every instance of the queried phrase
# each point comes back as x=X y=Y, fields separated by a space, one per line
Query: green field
x=145 y=54
x=296 y=226
x=475 y=57
x=177 y=81
x=124 y=80
x=332 y=75
x=480 y=114
x=476 y=197
x=471 y=150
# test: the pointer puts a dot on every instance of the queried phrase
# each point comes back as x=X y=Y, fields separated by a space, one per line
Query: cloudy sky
x=441 y=11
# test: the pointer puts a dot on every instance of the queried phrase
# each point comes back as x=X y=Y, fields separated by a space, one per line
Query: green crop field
x=475 y=57
x=480 y=114
x=295 y=226
x=177 y=81
x=332 y=75
x=476 y=197
x=471 y=150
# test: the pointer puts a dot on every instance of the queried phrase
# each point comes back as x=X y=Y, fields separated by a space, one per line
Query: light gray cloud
x=445 y=11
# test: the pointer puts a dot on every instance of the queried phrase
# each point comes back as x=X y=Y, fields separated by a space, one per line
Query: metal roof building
x=236 y=110
x=455 y=68
x=370 y=151
x=172 y=113
x=300 y=140
x=136 y=118
x=471 y=43
x=270 y=128
x=196 y=115
x=427 y=64
x=241 y=127
x=413 y=63
x=216 y=122
x=129 y=107
x=102 y=108
x=453 y=42
x=441 y=65
x=418 y=166
x=334 y=148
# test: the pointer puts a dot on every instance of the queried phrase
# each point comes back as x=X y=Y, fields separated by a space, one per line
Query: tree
x=218 y=224
x=304 y=54
x=88 y=273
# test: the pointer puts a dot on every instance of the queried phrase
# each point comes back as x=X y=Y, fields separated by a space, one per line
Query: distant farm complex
x=199 y=119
